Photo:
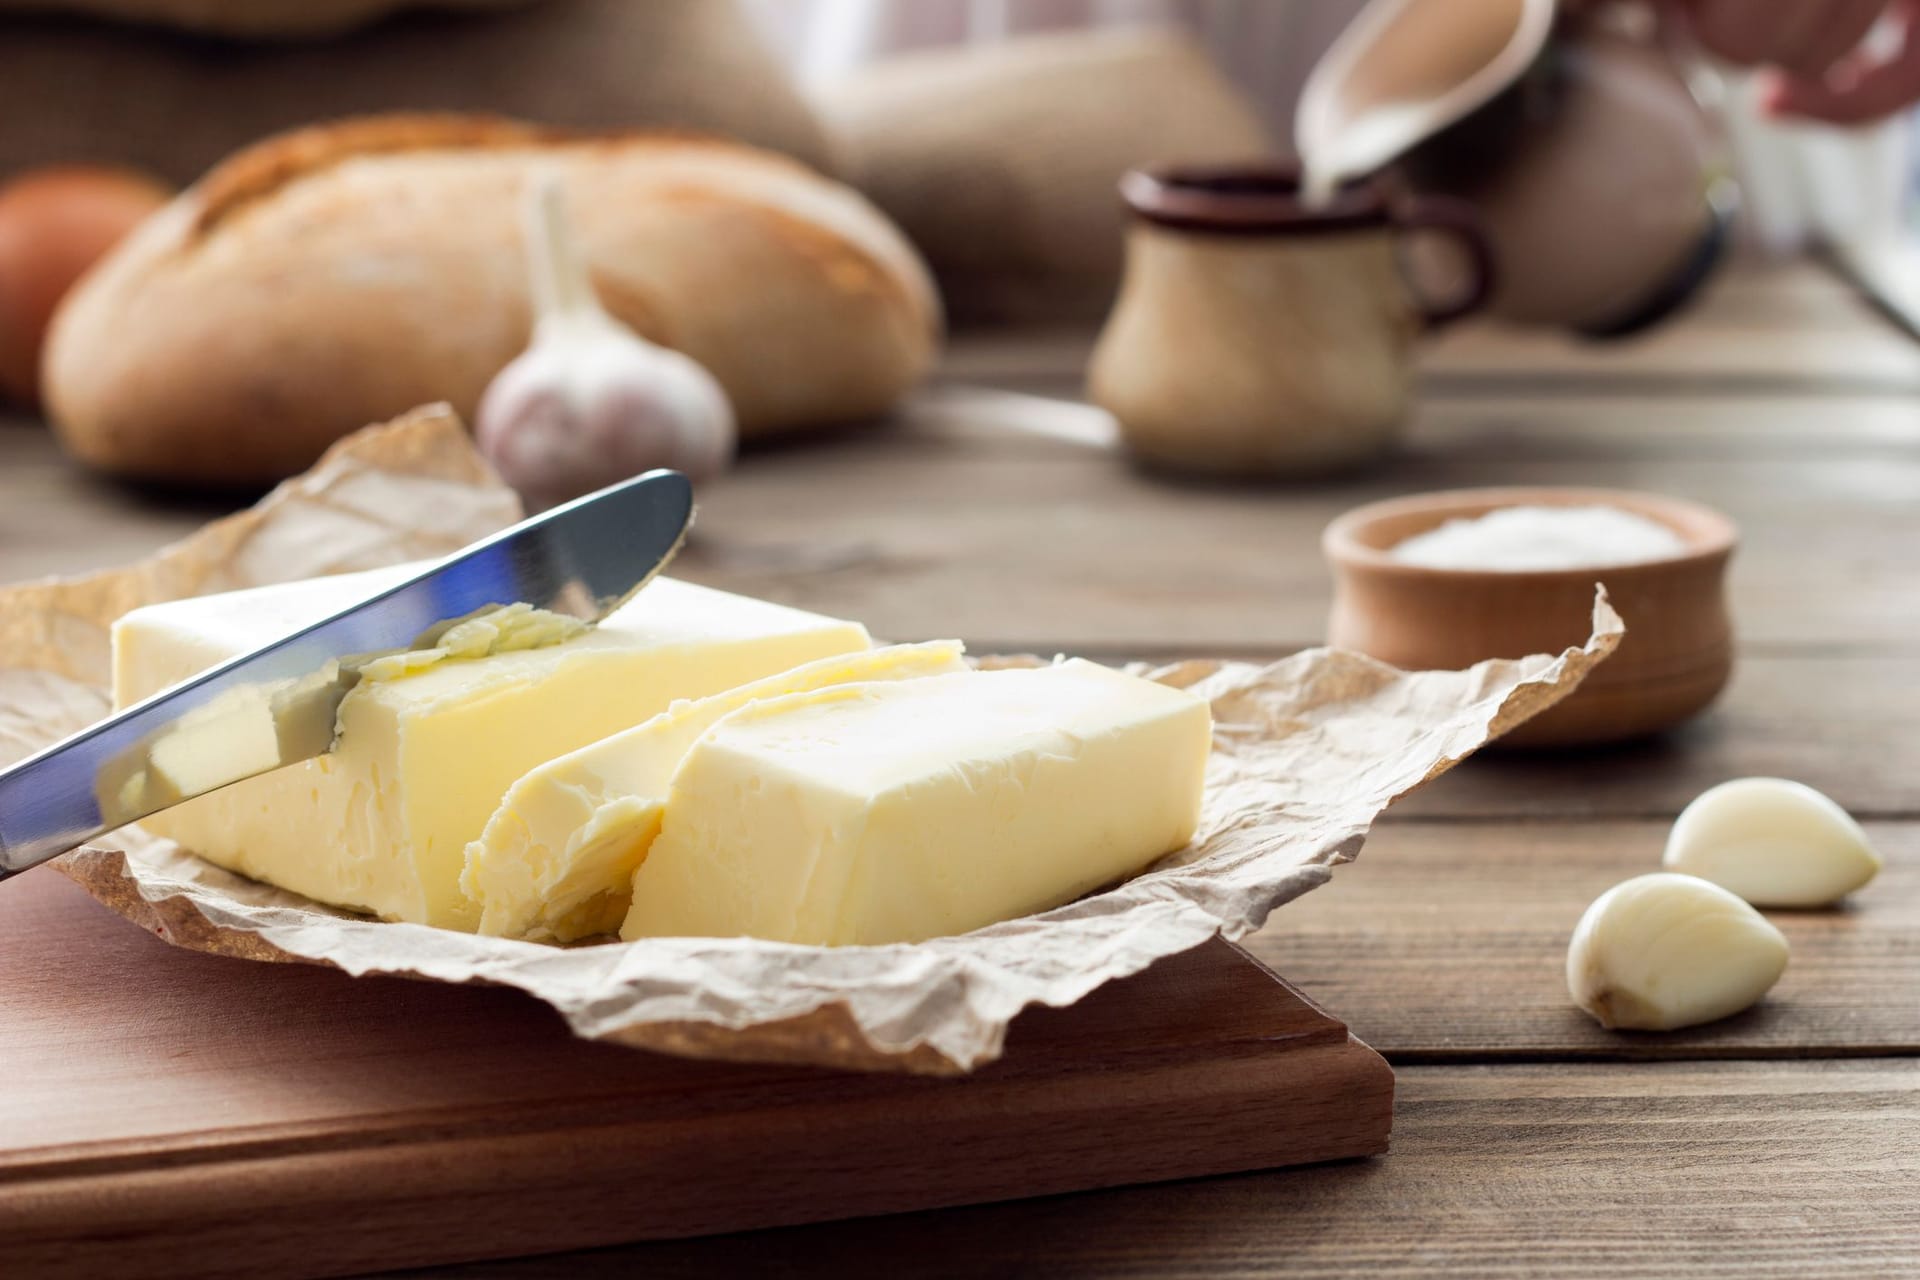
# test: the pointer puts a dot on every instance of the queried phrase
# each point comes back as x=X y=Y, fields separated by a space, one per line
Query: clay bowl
x=1674 y=661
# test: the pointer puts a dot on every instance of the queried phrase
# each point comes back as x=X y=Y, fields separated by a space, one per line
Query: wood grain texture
x=910 y=528
x=1788 y=325
x=913 y=529
x=1781 y=398
x=56 y=519
x=1781 y=326
x=1843 y=724
x=171 y=1113
x=1448 y=942
x=1708 y=1171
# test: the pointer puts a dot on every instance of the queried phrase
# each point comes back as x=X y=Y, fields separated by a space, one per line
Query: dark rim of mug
x=1249 y=199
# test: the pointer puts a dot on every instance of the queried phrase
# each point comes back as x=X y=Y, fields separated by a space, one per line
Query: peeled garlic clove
x=1775 y=843
x=1663 y=951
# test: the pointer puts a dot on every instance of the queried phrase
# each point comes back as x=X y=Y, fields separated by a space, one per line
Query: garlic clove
x=590 y=402
x=1663 y=951
x=1775 y=843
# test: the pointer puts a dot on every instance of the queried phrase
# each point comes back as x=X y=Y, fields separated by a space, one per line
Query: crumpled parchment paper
x=1307 y=752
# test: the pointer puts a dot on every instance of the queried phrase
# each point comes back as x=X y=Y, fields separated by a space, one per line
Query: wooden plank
x=1794 y=325
x=1730 y=1171
x=1649 y=429
x=55 y=518
x=1842 y=723
x=1686 y=356
x=1036 y=543
x=172 y=1113
x=921 y=526
x=1614 y=425
x=1480 y=358
x=1051 y=361
x=1449 y=942
x=1790 y=293
x=924 y=519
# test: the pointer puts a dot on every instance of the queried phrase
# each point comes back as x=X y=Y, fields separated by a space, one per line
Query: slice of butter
x=429 y=743
x=877 y=813
x=557 y=858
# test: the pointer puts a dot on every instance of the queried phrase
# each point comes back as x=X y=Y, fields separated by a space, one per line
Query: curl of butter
x=503 y=629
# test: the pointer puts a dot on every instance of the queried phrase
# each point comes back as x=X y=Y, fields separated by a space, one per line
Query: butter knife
x=278 y=704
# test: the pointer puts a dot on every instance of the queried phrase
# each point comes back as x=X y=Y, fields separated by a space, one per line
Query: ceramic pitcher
x=1602 y=183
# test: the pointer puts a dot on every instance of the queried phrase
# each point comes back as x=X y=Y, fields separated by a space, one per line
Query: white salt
x=1515 y=539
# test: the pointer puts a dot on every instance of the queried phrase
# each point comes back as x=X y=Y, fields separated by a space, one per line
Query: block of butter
x=556 y=860
x=896 y=812
x=429 y=743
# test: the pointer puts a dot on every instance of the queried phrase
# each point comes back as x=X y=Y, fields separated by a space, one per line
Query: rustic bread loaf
x=343 y=274
x=176 y=105
x=1001 y=160
x=251 y=19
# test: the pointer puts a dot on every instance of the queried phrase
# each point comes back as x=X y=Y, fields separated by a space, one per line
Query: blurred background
x=1806 y=180
x=1605 y=160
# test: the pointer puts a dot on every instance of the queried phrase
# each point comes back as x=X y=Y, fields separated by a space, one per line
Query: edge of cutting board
x=170 y=1113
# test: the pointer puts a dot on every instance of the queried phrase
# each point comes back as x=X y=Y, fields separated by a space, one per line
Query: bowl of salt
x=1440 y=581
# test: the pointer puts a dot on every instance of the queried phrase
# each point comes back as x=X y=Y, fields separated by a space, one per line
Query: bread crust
x=341 y=274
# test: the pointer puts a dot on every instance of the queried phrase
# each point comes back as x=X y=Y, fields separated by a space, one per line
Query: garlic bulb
x=1775 y=843
x=590 y=402
x=1663 y=951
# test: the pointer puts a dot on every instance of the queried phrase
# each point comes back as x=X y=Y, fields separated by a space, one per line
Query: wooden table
x=1528 y=1142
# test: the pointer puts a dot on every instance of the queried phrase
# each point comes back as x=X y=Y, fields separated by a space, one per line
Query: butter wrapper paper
x=1307 y=752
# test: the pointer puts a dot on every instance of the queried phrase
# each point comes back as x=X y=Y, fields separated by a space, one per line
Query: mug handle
x=1456 y=220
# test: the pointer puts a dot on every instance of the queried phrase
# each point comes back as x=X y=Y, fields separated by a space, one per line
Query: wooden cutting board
x=164 y=1112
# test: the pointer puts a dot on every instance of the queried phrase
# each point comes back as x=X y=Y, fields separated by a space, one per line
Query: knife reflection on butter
x=277 y=704
x=255 y=728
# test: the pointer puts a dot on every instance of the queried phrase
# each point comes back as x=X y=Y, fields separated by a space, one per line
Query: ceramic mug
x=1256 y=336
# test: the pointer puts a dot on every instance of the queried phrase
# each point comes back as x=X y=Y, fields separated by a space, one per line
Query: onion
x=54 y=224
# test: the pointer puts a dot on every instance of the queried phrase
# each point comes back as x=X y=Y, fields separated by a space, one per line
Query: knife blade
x=278 y=704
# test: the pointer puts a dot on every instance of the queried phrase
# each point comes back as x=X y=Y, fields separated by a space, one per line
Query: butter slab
x=879 y=813
x=427 y=748
x=556 y=860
